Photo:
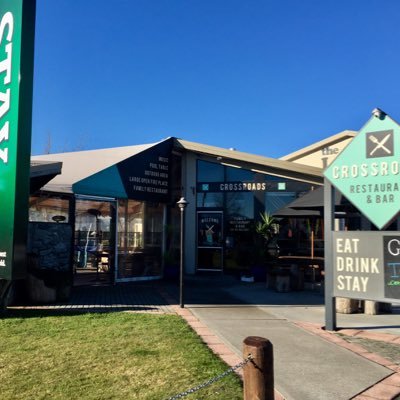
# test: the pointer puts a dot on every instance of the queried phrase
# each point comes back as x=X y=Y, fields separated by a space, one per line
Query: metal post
x=182 y=203
x=329 y=212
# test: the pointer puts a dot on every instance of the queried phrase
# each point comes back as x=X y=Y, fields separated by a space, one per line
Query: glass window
x=130 y=225
x=48 y=209
x=239 y=175
x=139 y=239
x=209 y=172
x=210 y=200
x=276 y=200
x=154 y=225
x=240 y=204
x=94 y=241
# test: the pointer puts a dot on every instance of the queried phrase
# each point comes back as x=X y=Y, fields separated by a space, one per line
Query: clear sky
x=265 y=77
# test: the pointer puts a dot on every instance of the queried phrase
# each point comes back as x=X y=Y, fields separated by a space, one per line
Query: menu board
x=392 y=266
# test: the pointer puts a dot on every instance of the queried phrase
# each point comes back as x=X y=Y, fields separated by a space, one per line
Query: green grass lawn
x=106 y=356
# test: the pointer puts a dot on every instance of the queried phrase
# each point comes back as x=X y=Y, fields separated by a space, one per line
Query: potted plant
x=268 y=228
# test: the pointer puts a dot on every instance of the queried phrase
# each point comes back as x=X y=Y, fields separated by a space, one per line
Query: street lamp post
x=182 y=203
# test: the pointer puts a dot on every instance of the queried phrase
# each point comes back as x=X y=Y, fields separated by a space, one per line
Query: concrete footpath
x=309 y=363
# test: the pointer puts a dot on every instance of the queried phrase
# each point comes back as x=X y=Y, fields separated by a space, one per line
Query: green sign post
x=364 y=265
x=17 y=29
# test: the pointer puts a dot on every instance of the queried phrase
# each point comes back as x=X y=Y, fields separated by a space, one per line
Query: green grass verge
x=106 y=356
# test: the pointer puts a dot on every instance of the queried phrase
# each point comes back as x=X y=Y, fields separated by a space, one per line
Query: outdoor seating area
x=295 y=273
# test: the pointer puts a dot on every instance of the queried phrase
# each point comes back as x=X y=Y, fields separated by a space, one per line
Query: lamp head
x=182 y=203
x=378 y=113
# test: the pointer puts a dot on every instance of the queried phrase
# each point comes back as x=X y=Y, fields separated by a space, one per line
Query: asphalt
x=306 y=366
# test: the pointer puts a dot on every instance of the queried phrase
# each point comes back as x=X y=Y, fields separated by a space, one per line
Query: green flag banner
x=17 y=28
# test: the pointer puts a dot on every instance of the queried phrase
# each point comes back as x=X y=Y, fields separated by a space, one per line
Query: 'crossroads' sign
x=367 y=171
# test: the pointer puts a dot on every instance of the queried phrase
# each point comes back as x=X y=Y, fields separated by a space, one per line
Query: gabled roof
x=82 y=164
x=330 y=141
x=42 y=172
x=41 y=168
x=78 y=165
x=255 y=162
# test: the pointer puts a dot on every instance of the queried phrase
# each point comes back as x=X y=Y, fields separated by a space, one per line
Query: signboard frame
x=366 y=265
x=377 y=124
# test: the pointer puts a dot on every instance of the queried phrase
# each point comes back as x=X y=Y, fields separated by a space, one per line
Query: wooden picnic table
x=293 y=269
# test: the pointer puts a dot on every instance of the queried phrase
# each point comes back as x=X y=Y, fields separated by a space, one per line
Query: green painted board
x=17 y=27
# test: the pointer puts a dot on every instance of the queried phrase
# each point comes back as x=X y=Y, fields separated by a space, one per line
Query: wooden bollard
x=258 y=374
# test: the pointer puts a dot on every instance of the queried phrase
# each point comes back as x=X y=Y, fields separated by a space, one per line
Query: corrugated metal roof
x=261 y=164
x=40 y=168
x=82 y=164
x=78 y=165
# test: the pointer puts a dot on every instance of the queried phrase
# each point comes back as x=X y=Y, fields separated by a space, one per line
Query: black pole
x=329 y=218
x=181 y=282
x=182 y=203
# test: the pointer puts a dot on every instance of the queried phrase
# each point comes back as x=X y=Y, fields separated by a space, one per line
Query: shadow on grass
x=37 y=312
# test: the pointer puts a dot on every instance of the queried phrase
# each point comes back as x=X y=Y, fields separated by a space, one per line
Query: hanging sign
x=17 y=20
x=367 y=172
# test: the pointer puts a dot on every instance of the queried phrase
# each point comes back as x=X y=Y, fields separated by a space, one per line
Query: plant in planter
x=268 y=229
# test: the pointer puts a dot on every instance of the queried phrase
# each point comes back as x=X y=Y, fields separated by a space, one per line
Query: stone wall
x=49 y=262
x=51 y=243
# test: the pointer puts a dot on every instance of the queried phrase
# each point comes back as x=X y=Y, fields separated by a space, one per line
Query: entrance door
x=209 y=241
x=140 y=240
x=94 y=241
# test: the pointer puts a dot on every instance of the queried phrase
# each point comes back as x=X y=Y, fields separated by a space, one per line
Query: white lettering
x=5 y=65
x=5 y=99
x=339 y=264
x=340 y=282
x=347 y=245
x=364 y=282
x=4 y=132
x=4 y=155
x=394 y=247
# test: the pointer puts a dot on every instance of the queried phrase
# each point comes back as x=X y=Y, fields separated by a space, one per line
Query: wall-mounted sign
x=242 y=186
x=238 y=223
x=232 y=186
x=367 y=171
x=17 y=22
x=144 y=176
x=366 y=265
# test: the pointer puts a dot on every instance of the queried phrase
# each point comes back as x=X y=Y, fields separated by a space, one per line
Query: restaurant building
x=119 y=205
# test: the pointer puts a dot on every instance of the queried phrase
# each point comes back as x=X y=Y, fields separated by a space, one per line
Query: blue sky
x=265 y=77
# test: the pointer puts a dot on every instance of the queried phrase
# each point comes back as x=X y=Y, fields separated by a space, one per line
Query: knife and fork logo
x=381 y=144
